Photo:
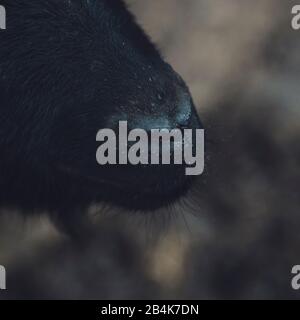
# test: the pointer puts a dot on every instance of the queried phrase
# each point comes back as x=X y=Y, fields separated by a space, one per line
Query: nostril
x=183 y=120
x=184 y=112
x=183 y=123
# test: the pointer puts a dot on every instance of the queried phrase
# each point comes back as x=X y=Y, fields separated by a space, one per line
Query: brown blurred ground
x=237 y=233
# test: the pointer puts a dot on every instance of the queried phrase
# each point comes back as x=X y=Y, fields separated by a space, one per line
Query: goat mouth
x=130 y=194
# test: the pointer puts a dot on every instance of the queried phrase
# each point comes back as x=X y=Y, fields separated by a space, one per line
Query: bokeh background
x=237 y=234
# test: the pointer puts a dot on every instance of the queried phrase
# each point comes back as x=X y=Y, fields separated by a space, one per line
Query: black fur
x=67 y=69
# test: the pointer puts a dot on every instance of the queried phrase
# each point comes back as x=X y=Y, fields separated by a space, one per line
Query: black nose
x=182 y=118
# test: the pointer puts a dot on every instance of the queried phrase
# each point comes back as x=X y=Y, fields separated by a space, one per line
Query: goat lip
x=130 y=187
x=74 y=172
x=119 y=184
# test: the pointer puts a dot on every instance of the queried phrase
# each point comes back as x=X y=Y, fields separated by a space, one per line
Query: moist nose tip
x=183 y=123
x=183 y=119
x=184 y=113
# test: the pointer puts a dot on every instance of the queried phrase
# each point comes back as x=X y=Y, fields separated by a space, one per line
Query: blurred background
x=236 y=235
